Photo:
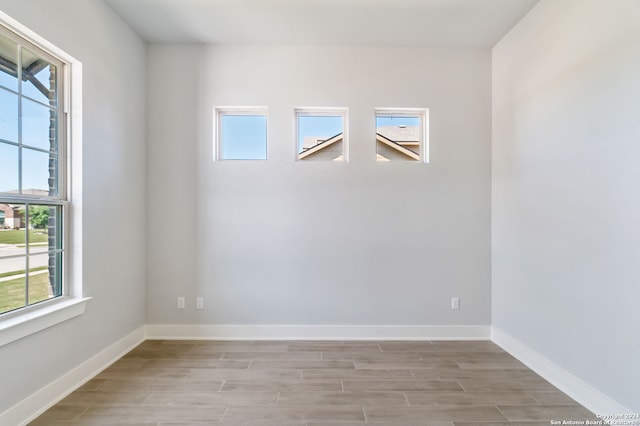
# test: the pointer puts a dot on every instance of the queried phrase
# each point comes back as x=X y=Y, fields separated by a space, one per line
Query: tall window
x=401 y=134
x=33 y=193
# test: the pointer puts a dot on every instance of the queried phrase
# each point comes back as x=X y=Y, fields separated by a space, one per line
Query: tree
x=39 y=216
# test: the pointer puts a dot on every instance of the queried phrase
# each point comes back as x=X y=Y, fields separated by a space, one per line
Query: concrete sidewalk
x=17 y=276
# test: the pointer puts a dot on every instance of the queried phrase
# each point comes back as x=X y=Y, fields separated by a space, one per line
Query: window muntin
x=32 y=189
x=320 y=134
x=401 y=135
x=241 y=134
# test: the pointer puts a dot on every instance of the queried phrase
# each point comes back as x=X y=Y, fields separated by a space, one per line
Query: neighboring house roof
x=40 y=192
x=312 y=141
x=314 y=144
x=401 y=140
x=401 y=148
x=31 y=191
x=400 y=134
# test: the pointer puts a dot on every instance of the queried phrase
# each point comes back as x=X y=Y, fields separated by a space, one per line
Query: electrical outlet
x=455 y=303
x=180 y=302
x=199 y=303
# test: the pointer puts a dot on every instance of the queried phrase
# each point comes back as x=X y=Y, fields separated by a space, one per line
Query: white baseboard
x=317 y=332
x=592 y=399
x=37 y=403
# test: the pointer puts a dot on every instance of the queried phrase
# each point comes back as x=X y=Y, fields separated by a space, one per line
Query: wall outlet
x=180 y=302
x=455 y=303
x=200 y=303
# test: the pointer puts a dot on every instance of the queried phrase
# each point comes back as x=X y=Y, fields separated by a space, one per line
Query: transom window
x=33 y=199
x=241 y=134
x=401 y=135
x=320 y=134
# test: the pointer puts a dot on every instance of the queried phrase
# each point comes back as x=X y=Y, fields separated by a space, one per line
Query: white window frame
x=23 y=322
x=423 y=114
x=323 y=112
x=217 y=129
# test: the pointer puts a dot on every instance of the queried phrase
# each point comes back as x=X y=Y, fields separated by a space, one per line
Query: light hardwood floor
x=310 y=383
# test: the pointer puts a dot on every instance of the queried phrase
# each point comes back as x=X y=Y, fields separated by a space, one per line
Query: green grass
x=6 y=274
x=12 y=292
x=15 y=236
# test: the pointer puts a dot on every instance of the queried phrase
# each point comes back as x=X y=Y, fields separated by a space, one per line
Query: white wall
x=565 y=257
x=113 y=60
x=284 y=242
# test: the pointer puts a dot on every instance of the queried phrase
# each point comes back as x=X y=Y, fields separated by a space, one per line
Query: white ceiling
x=416 y=23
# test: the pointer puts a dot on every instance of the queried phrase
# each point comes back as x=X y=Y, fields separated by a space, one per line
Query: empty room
x=319 y=212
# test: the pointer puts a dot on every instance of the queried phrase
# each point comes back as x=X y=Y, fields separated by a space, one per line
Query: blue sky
x=243 y=137
x=8 y=167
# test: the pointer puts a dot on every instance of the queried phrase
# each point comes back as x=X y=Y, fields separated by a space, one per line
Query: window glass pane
x=8 y=61
x=12 y=283
x=36 y=173
x=43 y=223
x=38 y=78
x=8 y=168
x=8 y=116
x=398 y=138
x=243 y=137
x=43 y=282
x=45 y=259
x=38 y=125
x=320 y=138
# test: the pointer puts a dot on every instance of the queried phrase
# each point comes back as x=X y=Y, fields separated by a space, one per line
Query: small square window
x=241 y=134
x=320 y=134
x=401 y=135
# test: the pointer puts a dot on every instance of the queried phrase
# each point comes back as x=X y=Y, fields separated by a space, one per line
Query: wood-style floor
x=310 y=383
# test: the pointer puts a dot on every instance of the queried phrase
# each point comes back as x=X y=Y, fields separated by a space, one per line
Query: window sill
x=14 y=328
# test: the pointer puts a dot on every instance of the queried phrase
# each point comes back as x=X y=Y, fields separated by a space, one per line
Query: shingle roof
x=400 y=133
